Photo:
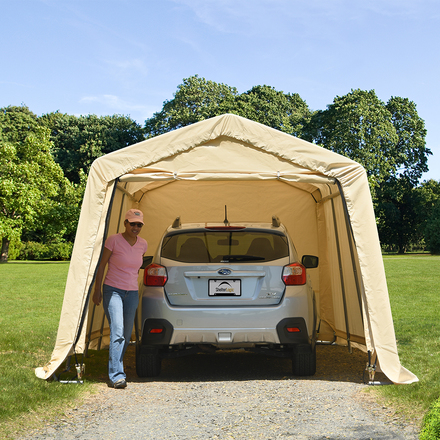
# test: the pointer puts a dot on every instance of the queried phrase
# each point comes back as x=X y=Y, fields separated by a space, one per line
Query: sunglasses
x=139 y=225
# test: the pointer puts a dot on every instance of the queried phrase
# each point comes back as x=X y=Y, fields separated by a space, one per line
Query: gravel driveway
x=236 y=395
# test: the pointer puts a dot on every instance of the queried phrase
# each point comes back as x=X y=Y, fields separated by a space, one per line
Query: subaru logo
x=224 y=272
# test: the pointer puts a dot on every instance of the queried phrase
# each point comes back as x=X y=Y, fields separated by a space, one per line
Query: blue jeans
x=120 y=309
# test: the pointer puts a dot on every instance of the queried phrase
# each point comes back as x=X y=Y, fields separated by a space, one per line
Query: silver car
x=227 y=286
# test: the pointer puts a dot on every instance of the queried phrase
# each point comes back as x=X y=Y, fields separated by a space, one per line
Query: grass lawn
x=31 y=295
x=414 y=289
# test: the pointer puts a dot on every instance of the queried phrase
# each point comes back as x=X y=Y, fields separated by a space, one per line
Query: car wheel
x=148 y=363
x=304 y=360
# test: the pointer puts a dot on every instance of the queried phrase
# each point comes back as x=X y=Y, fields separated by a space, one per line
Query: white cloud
x=227 y=16
x=115 y=104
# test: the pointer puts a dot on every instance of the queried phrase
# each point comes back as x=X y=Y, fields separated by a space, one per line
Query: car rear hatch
x=224 y=266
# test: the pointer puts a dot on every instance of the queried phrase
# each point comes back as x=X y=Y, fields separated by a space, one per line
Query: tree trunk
x=402 y=249
x=5 y=250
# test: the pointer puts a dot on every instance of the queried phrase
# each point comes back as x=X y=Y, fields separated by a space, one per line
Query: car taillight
x=294 y=274
x=155 y=275
x=156 y=330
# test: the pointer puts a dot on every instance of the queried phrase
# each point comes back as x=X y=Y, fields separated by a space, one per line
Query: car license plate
x=224 y=287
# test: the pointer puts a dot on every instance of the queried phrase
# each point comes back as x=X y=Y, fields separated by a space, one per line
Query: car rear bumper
x=223 y=326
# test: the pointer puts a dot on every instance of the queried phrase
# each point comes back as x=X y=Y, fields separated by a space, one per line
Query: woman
x=123 y=253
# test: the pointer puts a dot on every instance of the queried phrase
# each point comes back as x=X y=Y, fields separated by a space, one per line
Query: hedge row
x=39 y=251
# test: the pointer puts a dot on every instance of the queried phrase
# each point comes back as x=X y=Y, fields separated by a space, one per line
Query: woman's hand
x=97 y=297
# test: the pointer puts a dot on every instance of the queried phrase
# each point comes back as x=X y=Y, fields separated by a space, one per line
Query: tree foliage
x=389 y=141
x=400 y=219
x=276 y=109
x=432 y=230
x=41 y=206
x=57 y=223
x=430 y=194
x=198 y=99
x=30 y=176
x=79 y=140
x=195 y=100
x=410 y=152
x=358 y=126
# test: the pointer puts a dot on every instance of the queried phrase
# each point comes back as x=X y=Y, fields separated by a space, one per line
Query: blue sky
x=128 y=56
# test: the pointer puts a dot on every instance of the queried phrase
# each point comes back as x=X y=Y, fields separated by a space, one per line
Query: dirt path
x=236 y=396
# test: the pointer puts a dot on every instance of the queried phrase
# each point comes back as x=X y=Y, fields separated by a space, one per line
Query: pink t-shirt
x=125 y=262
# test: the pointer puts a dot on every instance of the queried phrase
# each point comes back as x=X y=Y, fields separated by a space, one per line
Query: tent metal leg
x=101 y=330
x=90 y=331
x=351 y=241
x=136 y=326
x=341 y=275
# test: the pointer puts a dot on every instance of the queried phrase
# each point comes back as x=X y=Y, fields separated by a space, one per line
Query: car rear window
x=205 y=246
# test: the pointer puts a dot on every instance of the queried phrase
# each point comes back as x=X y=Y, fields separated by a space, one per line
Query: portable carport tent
x=322 y=198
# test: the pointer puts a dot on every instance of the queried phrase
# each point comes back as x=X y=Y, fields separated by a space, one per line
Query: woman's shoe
x=121 y=383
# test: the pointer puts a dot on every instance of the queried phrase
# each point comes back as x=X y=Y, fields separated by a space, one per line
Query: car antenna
x=226 y=221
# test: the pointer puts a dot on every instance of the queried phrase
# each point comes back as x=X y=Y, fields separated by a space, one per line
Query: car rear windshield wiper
x=227 y=258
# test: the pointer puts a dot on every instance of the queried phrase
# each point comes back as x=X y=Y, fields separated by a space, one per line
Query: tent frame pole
x=351 y=241
x=86 y=350
x=89 y=294
x=341 y=273
x=101 y=335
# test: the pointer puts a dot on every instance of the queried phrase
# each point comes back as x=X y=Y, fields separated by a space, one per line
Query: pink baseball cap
x=134 y=215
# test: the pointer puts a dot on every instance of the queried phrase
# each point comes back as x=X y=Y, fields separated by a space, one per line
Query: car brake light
x=225 y=228
x=155 y=275
x=156 y=330
x=293 y=330
x=294 y=274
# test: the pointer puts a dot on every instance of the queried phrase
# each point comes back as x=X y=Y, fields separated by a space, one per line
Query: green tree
x=283 y=111
x=404 y=212
x=198 y=99
x=432 y=229
x=430 y=194
x=195 y=100
x=410 y=152
x=400 y=215
x=58 y=222
x=359 y=126
x=80 y=140
x=400 y=204
x=30 y=178
x=430 y=190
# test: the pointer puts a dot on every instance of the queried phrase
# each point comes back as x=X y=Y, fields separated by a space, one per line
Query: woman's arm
x=97 y=296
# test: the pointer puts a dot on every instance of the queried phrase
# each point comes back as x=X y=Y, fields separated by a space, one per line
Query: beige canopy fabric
x=322 y=198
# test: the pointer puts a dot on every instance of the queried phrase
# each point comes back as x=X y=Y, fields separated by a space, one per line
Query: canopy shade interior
x=322 y=198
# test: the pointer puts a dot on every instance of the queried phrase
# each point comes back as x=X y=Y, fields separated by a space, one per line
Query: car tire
x=304 y=360
x=148 y=363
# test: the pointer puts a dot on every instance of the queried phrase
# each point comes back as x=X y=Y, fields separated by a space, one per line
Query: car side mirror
x=310 y=261
x=146 y=261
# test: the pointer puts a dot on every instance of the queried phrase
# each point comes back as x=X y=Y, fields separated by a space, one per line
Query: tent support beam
x=125 y=193
x=86 y=350
x=350 y=237
x=121 y=188
x=86 y=306
x=101 y=332
x=341 y=274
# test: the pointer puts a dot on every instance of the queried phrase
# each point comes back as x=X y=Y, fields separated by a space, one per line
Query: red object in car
x=294 y=275
x=155 y=275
